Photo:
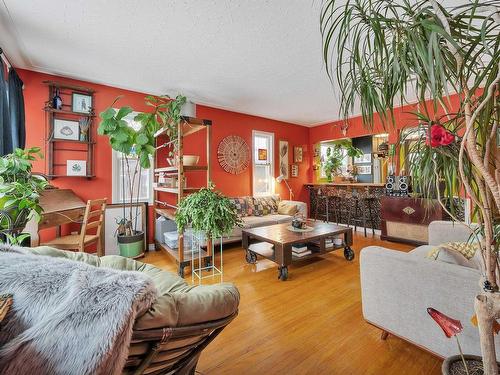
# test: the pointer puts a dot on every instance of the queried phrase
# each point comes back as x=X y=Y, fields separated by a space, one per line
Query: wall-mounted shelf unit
x=187 y=126
x=54 y=144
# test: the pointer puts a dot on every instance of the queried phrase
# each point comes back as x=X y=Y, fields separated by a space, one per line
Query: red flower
x=440 y=136
x=450 y=327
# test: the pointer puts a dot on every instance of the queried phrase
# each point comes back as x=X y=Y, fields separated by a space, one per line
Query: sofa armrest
x=448 y=231
x=397 y=288
x=301 y=206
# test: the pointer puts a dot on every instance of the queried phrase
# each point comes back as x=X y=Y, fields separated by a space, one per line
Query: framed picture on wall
x=81 y=103
x=298 y=154
x=262 y=154
x=283 y=160
x=295 y=170
x=364 y=169
x=365 y=158
x=76 y=167
x=66 y=129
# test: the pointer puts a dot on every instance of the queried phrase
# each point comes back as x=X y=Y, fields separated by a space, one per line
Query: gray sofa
x=397 y=288
x=261 y=221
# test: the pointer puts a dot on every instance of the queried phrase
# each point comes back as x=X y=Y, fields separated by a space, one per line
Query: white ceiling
x=260 y=57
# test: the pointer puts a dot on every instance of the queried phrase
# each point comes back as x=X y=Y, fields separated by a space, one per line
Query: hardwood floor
x=310 y=324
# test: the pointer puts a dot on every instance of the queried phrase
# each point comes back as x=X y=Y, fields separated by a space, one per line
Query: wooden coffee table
x=282 y=240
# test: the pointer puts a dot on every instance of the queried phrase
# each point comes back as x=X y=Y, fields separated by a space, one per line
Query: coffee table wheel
x=251 y=257
x=348 y=253
x=283 y=273
x=208 y=262
x=180 y=271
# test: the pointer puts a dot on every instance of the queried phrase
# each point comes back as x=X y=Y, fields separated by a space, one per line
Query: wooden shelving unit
x=187 y=126
x=55 y=145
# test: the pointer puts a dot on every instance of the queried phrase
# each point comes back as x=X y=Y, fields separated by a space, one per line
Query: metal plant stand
x=203 y=267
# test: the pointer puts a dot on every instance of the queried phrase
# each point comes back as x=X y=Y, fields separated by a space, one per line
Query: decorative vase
x=188 y=109
x=57 y=101
x=131 y=246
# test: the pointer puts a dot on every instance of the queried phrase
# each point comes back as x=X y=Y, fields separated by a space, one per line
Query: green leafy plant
x=172 y=119
x=19 y=189
x=335 y=156
x=135 y=145
x=208 y=211
x=375 y=51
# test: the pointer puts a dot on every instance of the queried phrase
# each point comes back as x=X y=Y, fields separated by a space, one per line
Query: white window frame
x=116 y=181
x=271 y=161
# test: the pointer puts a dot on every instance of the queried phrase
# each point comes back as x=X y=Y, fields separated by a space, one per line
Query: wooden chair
x=80 y=241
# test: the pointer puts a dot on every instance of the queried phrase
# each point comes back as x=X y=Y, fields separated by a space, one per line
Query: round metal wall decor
x=233 y=154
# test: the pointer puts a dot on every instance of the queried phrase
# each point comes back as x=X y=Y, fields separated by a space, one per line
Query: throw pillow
x=460 y=253
x=287 y=208
x=265 y=206
x=241 y=206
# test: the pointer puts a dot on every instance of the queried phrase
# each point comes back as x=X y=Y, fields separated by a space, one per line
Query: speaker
x=397 y=186
x=389 y=185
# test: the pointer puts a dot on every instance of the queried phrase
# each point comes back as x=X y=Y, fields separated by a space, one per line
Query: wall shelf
x=53 y=152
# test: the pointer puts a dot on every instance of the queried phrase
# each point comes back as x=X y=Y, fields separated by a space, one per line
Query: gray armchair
x=397 y=288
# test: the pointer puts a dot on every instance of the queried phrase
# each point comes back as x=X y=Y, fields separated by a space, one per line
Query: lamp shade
x=280 y=178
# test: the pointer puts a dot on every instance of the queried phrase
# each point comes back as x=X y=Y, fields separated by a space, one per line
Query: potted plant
x=138 y=148
x=335 y=156
x=382 y=49
x=207 y=211
x=19 y=193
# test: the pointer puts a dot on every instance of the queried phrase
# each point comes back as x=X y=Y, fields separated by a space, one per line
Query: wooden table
x=60 y=206
x=282 y=240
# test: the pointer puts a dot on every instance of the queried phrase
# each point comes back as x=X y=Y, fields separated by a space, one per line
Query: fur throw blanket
x=67 y=317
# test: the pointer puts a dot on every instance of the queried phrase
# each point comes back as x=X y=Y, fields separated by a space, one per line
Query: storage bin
x=163 y=225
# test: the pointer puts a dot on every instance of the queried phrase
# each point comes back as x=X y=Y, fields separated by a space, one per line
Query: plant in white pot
x=377 y=50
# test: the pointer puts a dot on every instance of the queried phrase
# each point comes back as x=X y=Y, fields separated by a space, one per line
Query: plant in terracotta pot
x=137 y=148
x=19 y=193
x=384 y=53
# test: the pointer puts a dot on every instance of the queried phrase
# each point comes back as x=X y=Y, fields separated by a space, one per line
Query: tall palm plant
x=383 y=52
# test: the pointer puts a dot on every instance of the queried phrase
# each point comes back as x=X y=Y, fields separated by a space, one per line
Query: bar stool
x=361 y=211
x=331 y=203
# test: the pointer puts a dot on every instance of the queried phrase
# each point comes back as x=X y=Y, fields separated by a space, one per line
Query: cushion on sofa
x=178 y=302
x=455 y=255
x=265 y=205
x=257 y=221
x=285 y=208
x=241 y=205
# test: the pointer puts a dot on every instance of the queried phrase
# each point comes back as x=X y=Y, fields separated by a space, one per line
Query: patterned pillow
x=241 y=205
x=251 y=211
x=265 y=206
x=468 y=250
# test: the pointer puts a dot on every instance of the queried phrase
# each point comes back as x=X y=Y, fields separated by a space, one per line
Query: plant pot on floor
x=131 y=246
x=454 y=365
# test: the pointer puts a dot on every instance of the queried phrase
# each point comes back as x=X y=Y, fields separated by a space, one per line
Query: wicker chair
x=170 y=336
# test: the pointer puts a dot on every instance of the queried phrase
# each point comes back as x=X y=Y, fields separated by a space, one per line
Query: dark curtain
x=16 y=110
x=5 y=133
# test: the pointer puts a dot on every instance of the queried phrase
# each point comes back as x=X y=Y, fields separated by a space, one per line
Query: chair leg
x=384 y=335
x=99 y=248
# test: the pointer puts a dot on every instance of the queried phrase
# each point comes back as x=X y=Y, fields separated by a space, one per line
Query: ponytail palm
x=384 y=53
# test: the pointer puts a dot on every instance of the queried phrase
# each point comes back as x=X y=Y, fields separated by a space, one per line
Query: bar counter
x=346 y=190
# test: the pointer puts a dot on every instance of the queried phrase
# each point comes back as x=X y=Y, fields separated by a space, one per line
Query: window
x=263 y=163
x=345 y=161
x=119 y=172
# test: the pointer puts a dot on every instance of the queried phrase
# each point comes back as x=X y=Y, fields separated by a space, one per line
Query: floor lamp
x=282 y=178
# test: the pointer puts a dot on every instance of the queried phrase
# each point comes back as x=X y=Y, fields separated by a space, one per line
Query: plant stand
x=203 y=267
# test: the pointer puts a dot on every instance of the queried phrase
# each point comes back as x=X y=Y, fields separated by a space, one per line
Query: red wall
x=224 y=123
